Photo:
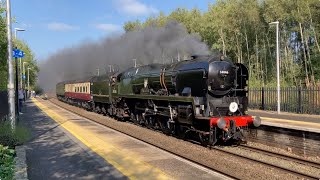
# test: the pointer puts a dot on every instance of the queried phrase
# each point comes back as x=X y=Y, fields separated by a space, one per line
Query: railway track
x=283 y=156
x=277 y=155
x=226 y=173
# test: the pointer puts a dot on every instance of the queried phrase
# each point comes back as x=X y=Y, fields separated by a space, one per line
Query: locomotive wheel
x=179 y=131
x=204 y=140
x=140 y=119
x=104 y=112
x=133 y=118
x=149 y=121
x=163 y=125
x=97 y=109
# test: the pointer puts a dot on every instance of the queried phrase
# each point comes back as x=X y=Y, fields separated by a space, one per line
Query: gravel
x=313 y=171
x=219 y=161
x=282 y=151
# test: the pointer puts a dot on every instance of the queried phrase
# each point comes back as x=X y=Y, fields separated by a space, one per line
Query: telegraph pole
x=17 y=84
x=134 y=62
x=278 y=65
x=28 y=82
x=11 y=96
x=110 y=66
x=20 y=74
x=98 y=71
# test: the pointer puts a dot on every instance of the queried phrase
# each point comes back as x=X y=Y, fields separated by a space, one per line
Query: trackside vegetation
x=240 y=29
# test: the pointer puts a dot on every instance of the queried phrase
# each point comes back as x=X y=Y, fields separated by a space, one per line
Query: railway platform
x=67 y=146
x=301 y=122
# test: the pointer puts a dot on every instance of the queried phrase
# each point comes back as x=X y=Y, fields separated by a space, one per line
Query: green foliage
x=38 y=89
x=10 y=138
x=3 y=53
x=131 y=26
x=240 y=29
x=29 y=56
x=7 y=162
x=316 y=65
x=29 y=59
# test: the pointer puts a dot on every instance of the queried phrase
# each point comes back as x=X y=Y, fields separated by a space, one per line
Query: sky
x=52 y=25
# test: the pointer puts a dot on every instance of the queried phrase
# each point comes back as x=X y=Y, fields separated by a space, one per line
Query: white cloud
x=56 y=26
x=108 y=27
x=134 y=7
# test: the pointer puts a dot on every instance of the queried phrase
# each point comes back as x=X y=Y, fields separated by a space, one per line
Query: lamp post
x=15 y=31
x=134 y=62
x=24 y=84
x=11 y=96
x=24 y=73
x=28 y=81
x=278 y=65
x=17 y=83
x=15 y=36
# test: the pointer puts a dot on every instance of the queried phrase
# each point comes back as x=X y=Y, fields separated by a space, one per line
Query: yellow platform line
x=130 y=166
x=289 y=121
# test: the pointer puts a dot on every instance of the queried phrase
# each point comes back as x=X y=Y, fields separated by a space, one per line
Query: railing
x=293 y=99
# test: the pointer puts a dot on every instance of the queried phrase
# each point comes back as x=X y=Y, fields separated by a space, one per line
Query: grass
x=8 y=140
x=13 y=138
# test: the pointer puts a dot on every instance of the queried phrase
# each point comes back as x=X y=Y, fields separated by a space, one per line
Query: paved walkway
x=53 y=153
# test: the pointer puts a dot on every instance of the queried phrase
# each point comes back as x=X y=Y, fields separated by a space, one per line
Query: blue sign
x=23 y=76
x=17 y=53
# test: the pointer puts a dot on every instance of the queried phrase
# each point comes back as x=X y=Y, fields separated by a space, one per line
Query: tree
x=3 y=52
x=240 y=30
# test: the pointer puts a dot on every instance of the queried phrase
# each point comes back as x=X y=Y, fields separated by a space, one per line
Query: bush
x=10 y=138
x=6 y=162
x=38 y=89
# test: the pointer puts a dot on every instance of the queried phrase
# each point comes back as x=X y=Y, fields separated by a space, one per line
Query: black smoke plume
x=149 y=45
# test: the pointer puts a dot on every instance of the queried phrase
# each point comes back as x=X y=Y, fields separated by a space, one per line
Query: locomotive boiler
x=205 y=98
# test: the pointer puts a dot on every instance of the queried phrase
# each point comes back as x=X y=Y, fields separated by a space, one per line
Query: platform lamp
x=20 y=59
x=28 y=81
x=24 y=81
x=278 y=65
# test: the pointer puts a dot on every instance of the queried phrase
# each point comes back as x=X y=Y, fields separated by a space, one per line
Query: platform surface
x=304 y=122
x=67 y=146
x=53 y=153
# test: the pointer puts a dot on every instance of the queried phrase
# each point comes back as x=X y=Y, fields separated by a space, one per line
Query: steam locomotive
x=204 y=98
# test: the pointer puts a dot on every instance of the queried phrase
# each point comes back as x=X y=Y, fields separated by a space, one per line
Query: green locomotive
x=205 y=97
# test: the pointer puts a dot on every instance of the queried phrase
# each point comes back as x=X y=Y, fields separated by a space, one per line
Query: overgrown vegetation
x=10 y=138
x=29 y=56
x=3 y=52
x=38 y=90
x=8 y=141
x=6 y=162
x=240 y=29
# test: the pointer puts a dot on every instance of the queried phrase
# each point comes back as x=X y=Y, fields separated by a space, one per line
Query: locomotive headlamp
x=256 y=121
x=233 y=107
x=221 y=123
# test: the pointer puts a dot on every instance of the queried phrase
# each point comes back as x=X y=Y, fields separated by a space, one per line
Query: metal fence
x=4 y=107
x=293 y=99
